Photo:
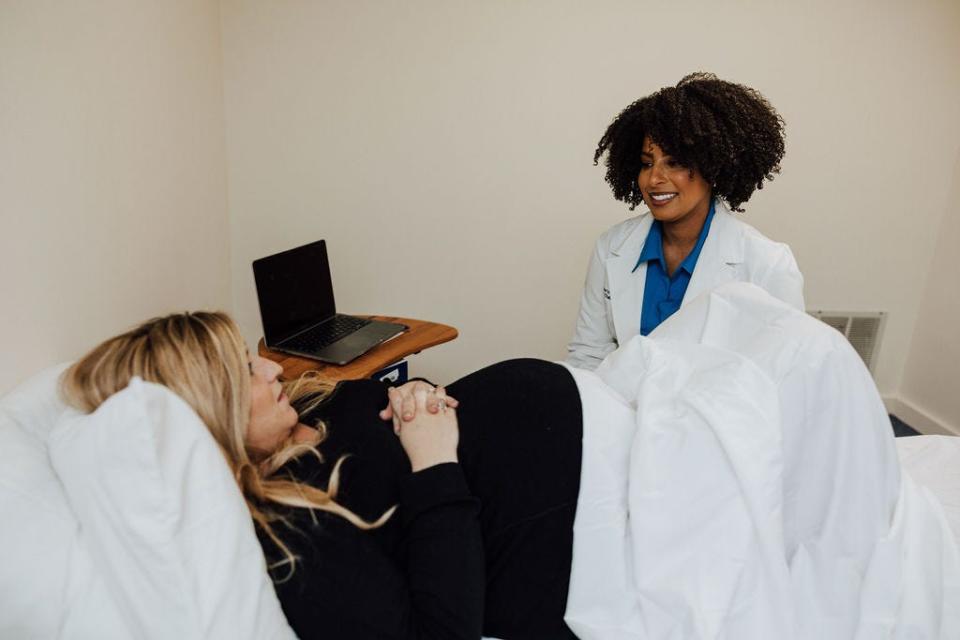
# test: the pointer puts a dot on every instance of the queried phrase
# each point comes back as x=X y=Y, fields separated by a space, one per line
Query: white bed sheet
x=754 y=492
x=934 y=462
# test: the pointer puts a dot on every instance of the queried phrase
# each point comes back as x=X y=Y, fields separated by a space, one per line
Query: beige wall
x=112 y=172
x=930 y=394
x=444 y=149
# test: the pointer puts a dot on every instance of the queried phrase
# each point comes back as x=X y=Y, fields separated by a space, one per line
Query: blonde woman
x=452 y=520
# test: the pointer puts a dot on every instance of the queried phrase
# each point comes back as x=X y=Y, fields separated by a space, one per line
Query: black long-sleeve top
x=420 y=575
x=490 y=537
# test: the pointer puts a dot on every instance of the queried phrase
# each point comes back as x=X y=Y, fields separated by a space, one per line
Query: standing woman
x=692 y=154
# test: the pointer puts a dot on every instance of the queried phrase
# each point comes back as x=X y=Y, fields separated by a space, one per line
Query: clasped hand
x=425 y=420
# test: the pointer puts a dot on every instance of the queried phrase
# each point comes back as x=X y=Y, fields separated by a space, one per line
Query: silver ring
x=442 y=405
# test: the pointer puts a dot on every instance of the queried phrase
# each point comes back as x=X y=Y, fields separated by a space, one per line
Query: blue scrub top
x=663 y=294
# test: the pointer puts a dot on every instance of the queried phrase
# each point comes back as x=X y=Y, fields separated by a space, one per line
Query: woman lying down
x=731 y=476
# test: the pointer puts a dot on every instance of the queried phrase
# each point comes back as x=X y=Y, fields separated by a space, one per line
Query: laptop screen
x=294 y=289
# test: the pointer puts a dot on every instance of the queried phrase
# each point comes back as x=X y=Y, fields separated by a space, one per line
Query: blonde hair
x=202 y=358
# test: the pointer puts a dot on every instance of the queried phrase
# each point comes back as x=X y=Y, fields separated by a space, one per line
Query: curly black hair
x=727 y=132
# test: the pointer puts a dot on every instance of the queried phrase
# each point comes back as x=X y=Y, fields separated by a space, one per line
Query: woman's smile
x=659 y=199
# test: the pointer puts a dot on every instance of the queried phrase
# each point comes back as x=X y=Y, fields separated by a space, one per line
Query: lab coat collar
x=720 y=257
x=727 y=236
x=723 y=234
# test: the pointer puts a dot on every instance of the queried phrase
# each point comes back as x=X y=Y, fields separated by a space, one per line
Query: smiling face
x=673 y=192
x=272 y=419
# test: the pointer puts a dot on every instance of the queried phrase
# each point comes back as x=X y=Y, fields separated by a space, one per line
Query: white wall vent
x=862 y=329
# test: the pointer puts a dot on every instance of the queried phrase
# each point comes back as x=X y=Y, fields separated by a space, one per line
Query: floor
x=902 y=429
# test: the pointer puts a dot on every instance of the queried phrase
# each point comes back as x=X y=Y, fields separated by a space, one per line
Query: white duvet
x=740 y=481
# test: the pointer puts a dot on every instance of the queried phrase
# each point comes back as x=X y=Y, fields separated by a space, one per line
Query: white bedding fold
x=739 y=480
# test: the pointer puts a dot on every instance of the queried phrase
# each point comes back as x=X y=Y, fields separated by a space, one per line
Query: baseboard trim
x=919 y=419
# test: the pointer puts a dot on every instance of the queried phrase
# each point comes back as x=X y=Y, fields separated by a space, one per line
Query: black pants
x=520 y=448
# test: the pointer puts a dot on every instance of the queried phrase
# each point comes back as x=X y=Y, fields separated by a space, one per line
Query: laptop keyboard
x=326 y=334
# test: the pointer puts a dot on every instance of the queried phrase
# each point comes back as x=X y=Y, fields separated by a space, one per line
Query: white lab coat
x=613 y=294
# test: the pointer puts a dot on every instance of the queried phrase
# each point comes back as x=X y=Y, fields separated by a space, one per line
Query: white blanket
x=740 y=481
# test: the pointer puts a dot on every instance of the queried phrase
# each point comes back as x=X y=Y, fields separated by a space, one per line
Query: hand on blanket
x=429 y=438
x=402 y=400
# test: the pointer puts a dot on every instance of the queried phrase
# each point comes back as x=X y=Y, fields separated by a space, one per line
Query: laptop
x=299 y=315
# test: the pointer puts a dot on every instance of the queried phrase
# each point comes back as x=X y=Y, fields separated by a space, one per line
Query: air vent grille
x=837 y=322
x=863 y=330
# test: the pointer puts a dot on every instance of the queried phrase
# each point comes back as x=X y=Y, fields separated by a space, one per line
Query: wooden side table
x=421 y=335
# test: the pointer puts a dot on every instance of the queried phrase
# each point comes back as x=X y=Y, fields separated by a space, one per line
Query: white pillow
x=164 y=520
x=35 y=405
x=36 y=526
x=48 y=586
